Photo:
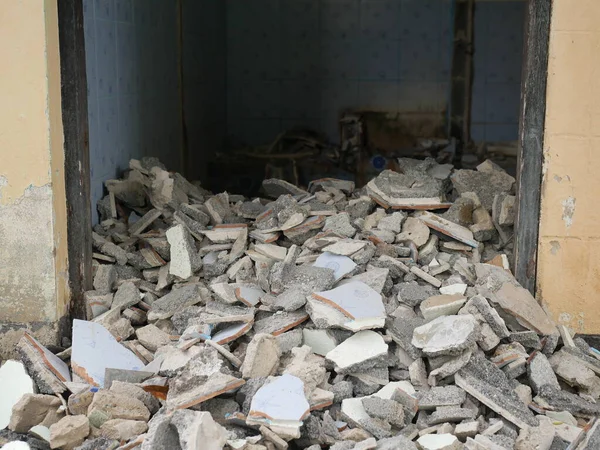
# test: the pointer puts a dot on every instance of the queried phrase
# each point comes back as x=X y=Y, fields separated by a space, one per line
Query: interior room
x=208 y=85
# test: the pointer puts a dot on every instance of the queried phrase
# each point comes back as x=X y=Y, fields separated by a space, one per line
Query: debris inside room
x=309 y=317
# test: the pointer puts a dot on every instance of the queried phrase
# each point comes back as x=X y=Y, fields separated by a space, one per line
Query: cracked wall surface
x=569 y=249
x=33 y=253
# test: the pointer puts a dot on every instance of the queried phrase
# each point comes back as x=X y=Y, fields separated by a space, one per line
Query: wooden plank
x=76 y=144
x=462 y=77
x=531 y=141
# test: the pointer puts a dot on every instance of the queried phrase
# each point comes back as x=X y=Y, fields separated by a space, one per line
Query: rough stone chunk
x=440 y=396
x=384 y=409
x=414 y=230
x=119 y=406
x=540 y=373
x=485 y=184
x=340 y=224
x=123 y=430
x=69 y=432
x=448 y=335
x=31 y=410
x=152 y=337
x=262 y=356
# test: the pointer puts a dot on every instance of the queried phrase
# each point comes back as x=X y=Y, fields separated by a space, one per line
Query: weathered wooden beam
x=531 y=141
x=76 y=147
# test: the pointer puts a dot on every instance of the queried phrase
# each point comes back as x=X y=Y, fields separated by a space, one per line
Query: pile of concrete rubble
x=384 y=317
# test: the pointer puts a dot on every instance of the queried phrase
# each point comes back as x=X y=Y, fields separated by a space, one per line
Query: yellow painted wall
x=569 y=249
x=33 y=247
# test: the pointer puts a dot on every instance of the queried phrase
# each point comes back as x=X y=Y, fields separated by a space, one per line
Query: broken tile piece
x=280 y=402
x=448 y=228
x=358 y=302
x=341 y=265
x=95 y=350
x=442 y=305
x=48 y=370
x=14 y=383
x=358 y=350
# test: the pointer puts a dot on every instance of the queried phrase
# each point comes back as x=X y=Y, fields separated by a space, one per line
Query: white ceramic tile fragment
x=341 y=265
x=356 y=300
x=281 y=400
x=95 y=350
x=320 y=341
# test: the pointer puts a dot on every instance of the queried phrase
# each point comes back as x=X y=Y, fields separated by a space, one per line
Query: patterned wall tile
x=380 y=19
x=340 y=19
x=378 y=95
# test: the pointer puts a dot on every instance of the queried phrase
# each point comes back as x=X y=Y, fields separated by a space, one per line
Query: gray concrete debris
x=338 y=317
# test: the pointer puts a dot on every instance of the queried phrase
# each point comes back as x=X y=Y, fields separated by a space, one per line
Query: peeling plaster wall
x=569 y=249
x=33 y=248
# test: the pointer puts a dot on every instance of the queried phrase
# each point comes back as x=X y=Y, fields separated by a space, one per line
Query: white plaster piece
x=14 y=383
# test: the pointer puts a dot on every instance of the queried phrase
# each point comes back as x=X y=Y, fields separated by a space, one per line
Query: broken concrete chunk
x=503 y=209
x=540 y=372
x=203 y=378
x=357 y=351
x=69 y=432
x=447 y=335
x=280 y=322
x=262 y=356
x=484 y=381
x=414 y=230
x=152 y=337
x=176 y=300
x=95 y=350
x=485 y=184
x=127 y=295
x=275 y=187
x=48 y=371
x=402 y=191
x=440 y=396
x=32 y=410
x=340 y=224
x=320 y=341
x=184 y=259
x=105 y=278
x=384 y=409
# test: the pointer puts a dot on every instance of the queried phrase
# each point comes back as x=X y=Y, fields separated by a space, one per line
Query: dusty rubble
x=377 y=318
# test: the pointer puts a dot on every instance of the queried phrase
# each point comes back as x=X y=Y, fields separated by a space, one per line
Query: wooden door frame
x=77 y=155
x=531 y=141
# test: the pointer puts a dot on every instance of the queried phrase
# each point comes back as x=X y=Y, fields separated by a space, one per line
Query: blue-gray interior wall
x=133 y=100
x=301 y=62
